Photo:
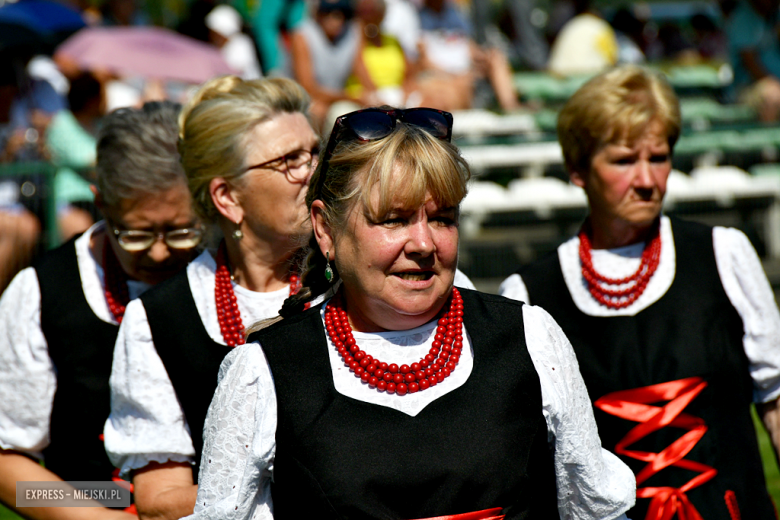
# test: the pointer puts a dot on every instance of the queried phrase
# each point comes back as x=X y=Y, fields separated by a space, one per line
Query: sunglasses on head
x=371 y=124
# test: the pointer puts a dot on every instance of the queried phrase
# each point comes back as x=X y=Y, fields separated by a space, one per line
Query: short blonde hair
x=615 y=106
x=214 y=128
x=408 y=165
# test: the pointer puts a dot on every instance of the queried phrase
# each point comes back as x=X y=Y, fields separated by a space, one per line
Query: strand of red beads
x=115 y=280
x=228 y=314
x=637 y=282
x=431 y=370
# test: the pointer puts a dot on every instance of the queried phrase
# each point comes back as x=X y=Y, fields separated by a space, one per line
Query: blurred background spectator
x=324 y=49
x=459 y=55
x=382 y=73
x=586 y=44
x=629 y=35
x=754 y=48
x=521 y=22
x=451 y=62
x=403 y=23
x=273 y=21
x=70 y=140
x=224 y=24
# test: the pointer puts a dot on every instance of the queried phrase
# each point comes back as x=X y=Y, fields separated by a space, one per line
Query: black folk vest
x=692 y=330
x=482 y=445
x=81 y=347
x=190 y=356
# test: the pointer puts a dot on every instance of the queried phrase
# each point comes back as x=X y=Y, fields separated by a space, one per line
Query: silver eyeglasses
x=298 y=164
x=134 y=240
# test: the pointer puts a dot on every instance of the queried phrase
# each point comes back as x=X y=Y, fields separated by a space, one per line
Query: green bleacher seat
x=765 y=170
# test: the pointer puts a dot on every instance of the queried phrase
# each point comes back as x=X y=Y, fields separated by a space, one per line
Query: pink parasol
x=150 y=52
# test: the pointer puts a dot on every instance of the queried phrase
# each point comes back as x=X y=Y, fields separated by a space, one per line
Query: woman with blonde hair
x=403 y=395
x=248 y=150
x=674 y=324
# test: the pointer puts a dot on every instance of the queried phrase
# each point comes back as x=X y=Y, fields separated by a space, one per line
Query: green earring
x=328 y=270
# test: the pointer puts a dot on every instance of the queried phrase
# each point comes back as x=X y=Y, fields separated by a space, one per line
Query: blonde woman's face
x=398 y=269
x=274 y=201
x=627 y=182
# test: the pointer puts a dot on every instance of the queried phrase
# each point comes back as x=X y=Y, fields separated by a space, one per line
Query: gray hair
x=136 y=152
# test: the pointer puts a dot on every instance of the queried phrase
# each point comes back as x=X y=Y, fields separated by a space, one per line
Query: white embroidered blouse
x=239 y=434
x=27 y=375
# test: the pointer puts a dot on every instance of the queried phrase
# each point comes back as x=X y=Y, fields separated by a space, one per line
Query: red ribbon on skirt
x=486 y=514
x=635 y=405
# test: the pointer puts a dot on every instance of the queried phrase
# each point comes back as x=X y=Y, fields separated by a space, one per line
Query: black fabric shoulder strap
x=81 y=347
x=543 y=278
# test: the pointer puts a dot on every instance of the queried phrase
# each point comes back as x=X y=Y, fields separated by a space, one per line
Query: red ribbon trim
x=485 y=514
x=636 y=405
x=731 y=503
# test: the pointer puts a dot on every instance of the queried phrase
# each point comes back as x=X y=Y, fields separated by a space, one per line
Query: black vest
x=81 y=347
x=692 y=330
x=190 y=356
x=482 y=445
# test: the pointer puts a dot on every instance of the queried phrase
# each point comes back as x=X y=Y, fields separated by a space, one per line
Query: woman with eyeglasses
x=248 y=150
x=402 y=396
x=59 y=319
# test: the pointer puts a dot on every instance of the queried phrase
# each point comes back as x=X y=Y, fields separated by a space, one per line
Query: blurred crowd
x=447 y=54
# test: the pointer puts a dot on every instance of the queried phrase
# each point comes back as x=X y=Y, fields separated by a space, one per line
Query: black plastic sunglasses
x=371 y=124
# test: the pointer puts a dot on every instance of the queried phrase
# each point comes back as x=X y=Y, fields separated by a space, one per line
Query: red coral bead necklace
x=441 y=360
x=115 y=282
x=599 y=285
x=228 y=315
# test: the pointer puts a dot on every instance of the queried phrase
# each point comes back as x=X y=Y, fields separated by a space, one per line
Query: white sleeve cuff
x=146 y=422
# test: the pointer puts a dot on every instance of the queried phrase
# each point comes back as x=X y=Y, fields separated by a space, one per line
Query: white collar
x=621 y=262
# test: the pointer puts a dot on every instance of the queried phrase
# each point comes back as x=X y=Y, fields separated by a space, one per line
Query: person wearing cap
x=59 y=319
x=224 y=24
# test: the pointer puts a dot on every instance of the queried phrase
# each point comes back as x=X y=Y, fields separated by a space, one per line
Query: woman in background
x=59 y=319
x=674 y=324
x=248 y=151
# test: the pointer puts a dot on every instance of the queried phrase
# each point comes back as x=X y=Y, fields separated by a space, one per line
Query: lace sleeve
x=751 y=295
x=146 y=422
x=592 y=482
x=514 y=288
x=239 y=441
x=27 y=379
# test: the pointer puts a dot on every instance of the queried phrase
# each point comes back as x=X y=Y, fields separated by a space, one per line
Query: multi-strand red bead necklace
x=115 y=281
x=228 y=315
x=431 y=370
x=636 y=283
